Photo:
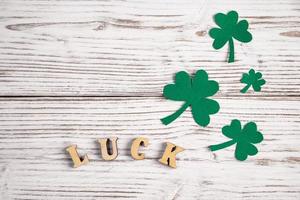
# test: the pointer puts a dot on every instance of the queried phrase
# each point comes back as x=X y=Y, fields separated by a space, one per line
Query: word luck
x=109 y=151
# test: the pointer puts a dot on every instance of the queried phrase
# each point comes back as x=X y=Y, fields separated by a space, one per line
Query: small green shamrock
x=194 y=93
x=229 y=29
x=243 y=138
x=252 y=78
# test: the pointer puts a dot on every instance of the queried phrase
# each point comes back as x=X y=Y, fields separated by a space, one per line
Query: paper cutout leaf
x=230 y=28
x=253 y=79
x=244 y=138
x=193 y=92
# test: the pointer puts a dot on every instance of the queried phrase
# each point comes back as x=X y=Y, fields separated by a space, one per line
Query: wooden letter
x=169 y=156
x=109 y=149
x=135 y=147
x=75 y=157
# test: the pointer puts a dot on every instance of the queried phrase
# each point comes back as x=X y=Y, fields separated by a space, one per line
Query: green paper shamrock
x=194 y=93
x=229 y=29
x=243 y=138
x=252 y=78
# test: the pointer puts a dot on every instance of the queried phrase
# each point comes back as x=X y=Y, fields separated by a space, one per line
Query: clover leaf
x=194 y=92
x=252 y=78
x=230 y=28
x=244 y=138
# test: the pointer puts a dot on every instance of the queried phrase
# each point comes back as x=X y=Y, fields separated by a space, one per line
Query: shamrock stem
x=167 y=120
x=245 y=89
x=231 y=51
x=222 y=145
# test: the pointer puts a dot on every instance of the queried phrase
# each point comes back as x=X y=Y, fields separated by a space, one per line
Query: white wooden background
x=75 y=71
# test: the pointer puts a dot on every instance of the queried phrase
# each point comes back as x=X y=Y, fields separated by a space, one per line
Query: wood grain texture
x=72 y=72
x=133 y=48
x=35 y=131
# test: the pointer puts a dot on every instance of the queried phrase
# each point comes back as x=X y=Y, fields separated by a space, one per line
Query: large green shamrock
x=252 y=78
x=229 y=29
x=194 y=93
x=243 y=138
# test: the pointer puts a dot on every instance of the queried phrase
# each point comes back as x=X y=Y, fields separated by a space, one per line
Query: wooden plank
x=35 y=131
x=133 y=48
